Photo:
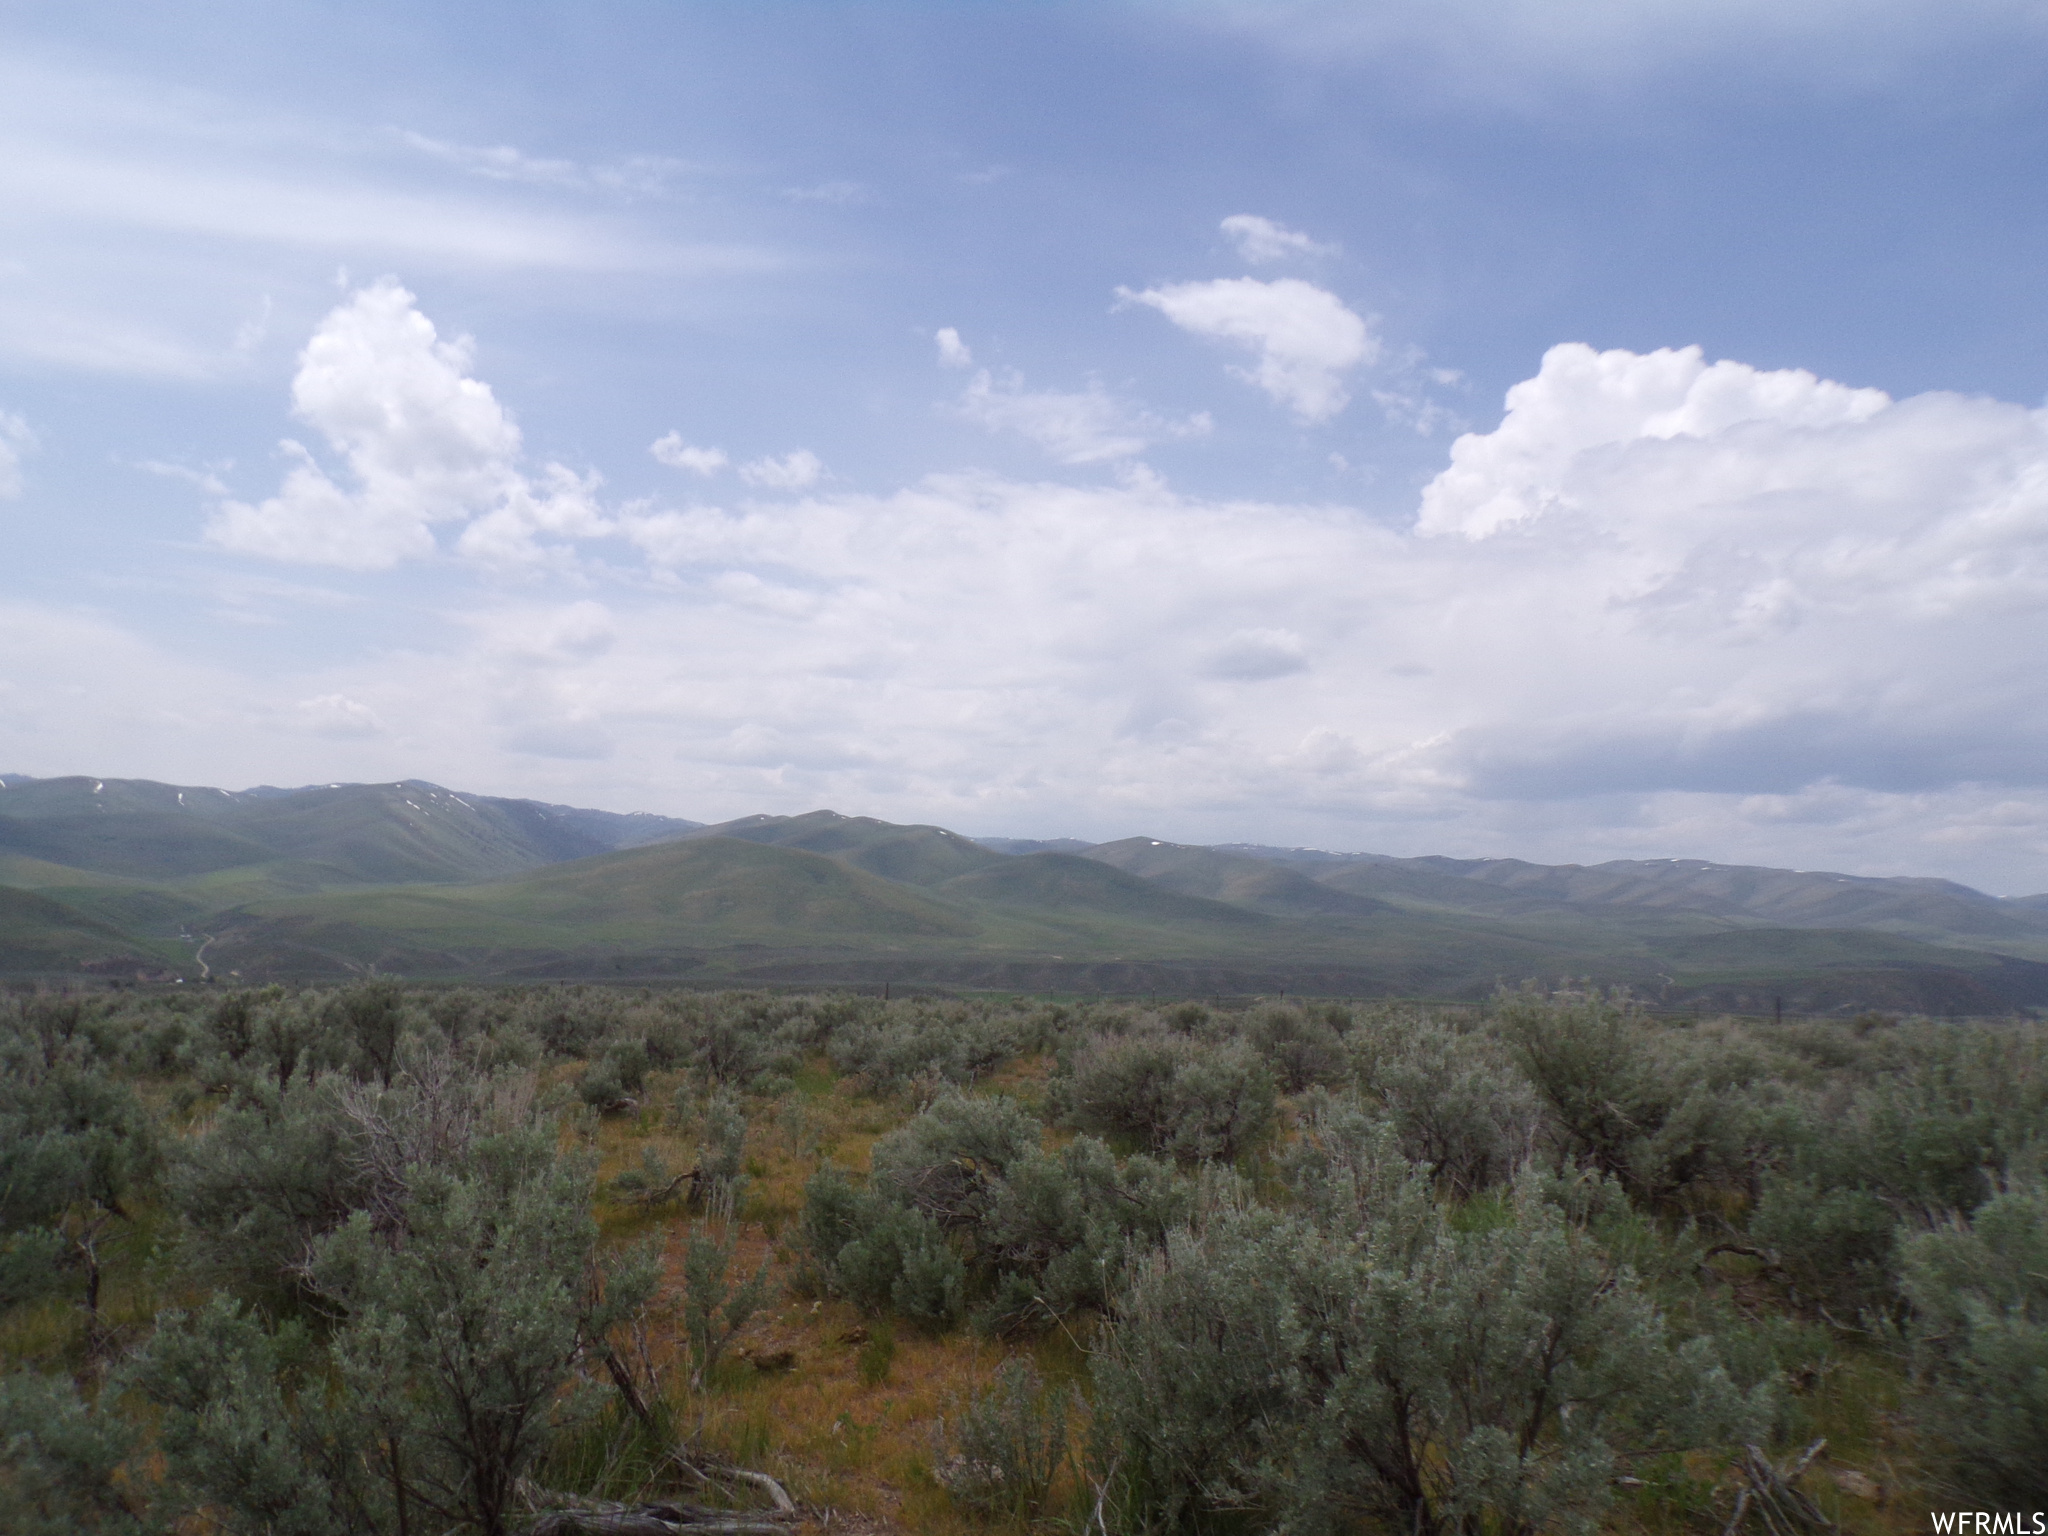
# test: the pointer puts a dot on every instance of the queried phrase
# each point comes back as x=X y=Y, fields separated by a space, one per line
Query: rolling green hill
x=1782 y=897
x=1939 y=911
x=729 y=899
x=147 y=845
x=667 y=903
x=733 y=910
x=911 y=855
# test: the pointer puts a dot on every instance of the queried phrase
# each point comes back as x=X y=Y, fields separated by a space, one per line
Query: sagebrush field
x=405 y=1261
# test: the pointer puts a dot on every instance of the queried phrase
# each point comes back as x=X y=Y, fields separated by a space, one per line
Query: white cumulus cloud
x=424 y=443
x=1305 y=339
x=1798 y=582
x=670 y=449
x=1089 y=426
x=1567 y=431
x=557 y=501
x=792 y=472
x=1260 y=241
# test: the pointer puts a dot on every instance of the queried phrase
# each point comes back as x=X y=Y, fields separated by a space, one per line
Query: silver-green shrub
x=1304 y=1049
x=1311 y=1370
x=1188 y=1099
x=61 y=1464
x=1980 y=1291
x=1005 y=1450
x=1453 y=1098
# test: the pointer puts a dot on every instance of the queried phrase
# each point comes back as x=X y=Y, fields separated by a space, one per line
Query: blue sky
x=1218 y=421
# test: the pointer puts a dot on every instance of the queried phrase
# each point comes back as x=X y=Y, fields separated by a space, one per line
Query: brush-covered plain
x=371 y=1261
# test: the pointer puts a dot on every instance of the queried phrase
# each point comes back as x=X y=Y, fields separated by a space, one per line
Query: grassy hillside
x=708 y=895
x=729 y=908
x=735 y=890
x=148 y=845
x=1217 y=876
x=78 y=795
x=41 y=935
x=662 y=904
x=1939 y=910
x=914 y=855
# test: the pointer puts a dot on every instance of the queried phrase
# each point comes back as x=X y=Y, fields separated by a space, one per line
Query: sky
x=1566 y=431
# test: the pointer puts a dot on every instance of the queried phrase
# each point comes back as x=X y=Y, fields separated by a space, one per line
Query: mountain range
x=124 y=878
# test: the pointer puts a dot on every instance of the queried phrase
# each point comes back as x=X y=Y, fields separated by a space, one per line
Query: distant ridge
x=129 y=877
x=1301 y=855
x=410 y=830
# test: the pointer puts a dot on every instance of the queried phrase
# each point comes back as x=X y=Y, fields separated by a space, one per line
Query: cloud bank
x=1666 y=605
